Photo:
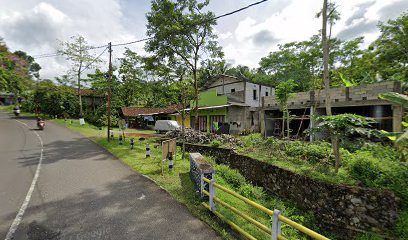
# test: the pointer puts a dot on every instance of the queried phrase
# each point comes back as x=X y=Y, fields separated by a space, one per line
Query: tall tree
x=132 y=77
x=14 y=71
x=181 y=32
x=391 y=49
x=33 y=67
x=284 y=91
x=325 y=45
x=77 y=51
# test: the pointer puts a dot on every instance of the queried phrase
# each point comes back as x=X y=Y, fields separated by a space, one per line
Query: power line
x=145 y=39
x=94 y=60
x=241 y=9
x=47 y=55
x=137 y=41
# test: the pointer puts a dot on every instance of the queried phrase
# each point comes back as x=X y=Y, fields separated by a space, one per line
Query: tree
x=283 y=92
x=210 y=69
x=33 y=67
x=391 y=49
x=65 y=80
x=77 y=51
x=300 y=61
x=186 y=95
x=180 y=32
x=14 y=71
x=132 y=77
x=340 y=128
x=400 y=140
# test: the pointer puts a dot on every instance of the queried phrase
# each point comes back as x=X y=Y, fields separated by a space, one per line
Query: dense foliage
x=15 y=70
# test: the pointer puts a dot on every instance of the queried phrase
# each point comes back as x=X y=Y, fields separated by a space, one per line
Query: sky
x=37 y=27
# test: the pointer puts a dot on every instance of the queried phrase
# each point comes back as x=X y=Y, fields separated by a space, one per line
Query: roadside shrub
x=215 y=143
x=402 y=225
x=231 y=176
x=253 y=140
x=380 y=171
x=252 y=192
x=313 y=153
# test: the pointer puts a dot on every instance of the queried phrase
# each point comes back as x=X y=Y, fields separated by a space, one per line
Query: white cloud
x=34 y=26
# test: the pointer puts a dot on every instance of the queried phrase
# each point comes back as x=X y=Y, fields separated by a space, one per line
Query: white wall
x=227 y=88
x=249 y=94
x=231 y=83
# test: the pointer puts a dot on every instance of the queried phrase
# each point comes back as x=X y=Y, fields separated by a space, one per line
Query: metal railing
x=277 y=218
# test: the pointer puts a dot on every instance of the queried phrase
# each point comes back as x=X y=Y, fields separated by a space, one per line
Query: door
x=216 y=122
x=202 y=123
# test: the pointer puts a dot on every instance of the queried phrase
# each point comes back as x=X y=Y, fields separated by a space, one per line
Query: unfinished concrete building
x=362 y=100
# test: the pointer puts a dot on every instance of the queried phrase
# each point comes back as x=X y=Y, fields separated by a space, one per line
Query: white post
x=202 y=185
x=276 y=224
x=212 y=195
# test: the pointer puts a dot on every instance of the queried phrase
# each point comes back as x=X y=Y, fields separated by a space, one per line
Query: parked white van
x=166 y=125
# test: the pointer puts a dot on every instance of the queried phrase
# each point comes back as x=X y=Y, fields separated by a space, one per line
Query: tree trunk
x=79 y=79
x=325 y=46
x=283 y=124
x=287 y=124
x=183 y=117
x=196 y=124
x=79 y=92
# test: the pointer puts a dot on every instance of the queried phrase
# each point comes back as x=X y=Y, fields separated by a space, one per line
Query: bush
x=402 y=225
x=215 y=143
x=380 y=170
x=231 y=176
x=309 y=152
x=253 y=140
x=252 y=192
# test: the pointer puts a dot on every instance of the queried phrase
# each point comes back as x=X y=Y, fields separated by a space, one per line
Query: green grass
x=6 y=108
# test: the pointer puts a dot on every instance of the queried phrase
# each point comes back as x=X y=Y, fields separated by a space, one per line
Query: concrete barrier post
x=276 y=224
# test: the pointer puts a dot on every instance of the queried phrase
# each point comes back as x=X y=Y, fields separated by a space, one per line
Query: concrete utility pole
x=109 y=89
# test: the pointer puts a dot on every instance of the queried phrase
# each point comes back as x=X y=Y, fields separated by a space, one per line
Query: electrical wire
x=94 y=60
x=241 y=9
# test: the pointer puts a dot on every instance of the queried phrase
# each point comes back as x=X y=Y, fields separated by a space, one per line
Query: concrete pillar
x=312 y=124
x=262 y=121
x=396 y=118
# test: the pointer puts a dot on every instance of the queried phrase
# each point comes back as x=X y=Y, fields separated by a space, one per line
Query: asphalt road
x=82 y=191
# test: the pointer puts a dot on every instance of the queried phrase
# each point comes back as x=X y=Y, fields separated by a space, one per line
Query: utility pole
x=109 y=89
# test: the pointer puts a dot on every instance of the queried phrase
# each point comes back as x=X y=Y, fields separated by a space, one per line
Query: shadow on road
x=132 y=208
x=76 y=149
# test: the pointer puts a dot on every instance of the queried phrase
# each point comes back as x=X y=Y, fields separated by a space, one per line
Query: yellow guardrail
x=275 y=230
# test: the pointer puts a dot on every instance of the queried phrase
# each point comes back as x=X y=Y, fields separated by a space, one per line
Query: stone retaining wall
x=343 y=210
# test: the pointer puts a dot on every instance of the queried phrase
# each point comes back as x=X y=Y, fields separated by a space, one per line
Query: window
x=266 y=94
x=232 y=90
x=254 y=94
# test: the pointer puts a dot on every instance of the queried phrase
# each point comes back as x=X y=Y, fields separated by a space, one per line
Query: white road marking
x=24 y=206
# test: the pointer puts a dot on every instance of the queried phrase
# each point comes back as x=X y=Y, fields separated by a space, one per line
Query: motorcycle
x=17 y=112
x=40 y=124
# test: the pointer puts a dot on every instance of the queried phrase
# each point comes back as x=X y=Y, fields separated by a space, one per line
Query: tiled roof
x=135 y=111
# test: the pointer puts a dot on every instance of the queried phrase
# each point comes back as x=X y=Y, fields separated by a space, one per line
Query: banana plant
x=400 y=140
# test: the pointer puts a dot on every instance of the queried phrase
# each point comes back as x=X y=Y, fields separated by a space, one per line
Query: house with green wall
x=229 y=104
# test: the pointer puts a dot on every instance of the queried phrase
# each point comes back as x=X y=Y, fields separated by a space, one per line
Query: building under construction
x=362 y=100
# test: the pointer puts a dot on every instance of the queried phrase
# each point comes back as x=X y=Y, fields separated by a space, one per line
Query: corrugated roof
x=136 y=111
